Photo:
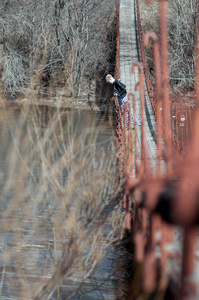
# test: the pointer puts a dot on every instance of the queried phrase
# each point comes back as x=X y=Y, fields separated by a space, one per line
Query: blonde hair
x=109 y=76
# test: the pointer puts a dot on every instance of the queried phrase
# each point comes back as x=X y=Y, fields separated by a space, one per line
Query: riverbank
x=98 y=98
x=70 y=103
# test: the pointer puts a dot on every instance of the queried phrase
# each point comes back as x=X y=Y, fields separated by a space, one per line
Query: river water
x=59 y=181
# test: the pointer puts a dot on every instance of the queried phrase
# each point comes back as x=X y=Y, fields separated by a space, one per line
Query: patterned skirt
x=137 y=121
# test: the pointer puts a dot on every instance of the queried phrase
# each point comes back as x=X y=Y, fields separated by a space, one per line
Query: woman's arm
x=120 y=89
x=121 y=85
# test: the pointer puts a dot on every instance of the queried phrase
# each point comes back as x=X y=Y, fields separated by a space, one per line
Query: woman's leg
x=134 y=120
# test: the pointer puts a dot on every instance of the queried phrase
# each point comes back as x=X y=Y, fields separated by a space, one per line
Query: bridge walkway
x=129 y=54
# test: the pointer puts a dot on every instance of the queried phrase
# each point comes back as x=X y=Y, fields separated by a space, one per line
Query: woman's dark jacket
x=120 y=89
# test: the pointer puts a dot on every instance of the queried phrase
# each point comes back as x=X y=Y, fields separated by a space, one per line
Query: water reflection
x=59 y=217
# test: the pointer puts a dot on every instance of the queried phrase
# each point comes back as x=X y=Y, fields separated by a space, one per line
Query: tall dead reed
x=59 y=208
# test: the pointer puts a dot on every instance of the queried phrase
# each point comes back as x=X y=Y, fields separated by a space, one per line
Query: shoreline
x=57 y=103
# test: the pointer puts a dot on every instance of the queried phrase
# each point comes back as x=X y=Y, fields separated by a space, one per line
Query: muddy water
x=32 y=211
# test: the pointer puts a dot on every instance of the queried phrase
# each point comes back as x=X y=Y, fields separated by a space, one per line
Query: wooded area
x=55 y=42
x=182 y=28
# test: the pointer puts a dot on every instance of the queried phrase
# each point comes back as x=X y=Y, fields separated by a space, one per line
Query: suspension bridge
x=160 y=162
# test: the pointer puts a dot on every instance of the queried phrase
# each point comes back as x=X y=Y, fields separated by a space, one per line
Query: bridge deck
x=129 y=53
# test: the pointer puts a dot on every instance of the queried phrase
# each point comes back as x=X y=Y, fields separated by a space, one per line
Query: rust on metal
x=169 y=196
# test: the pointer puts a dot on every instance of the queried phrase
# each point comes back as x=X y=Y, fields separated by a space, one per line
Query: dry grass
x=149 y=17
x=59 y=213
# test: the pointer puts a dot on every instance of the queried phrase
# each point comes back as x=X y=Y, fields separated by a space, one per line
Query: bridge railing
x=167 y=197
x=180 y=137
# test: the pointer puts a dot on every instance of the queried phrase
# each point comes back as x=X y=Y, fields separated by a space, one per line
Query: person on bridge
x=120 y=91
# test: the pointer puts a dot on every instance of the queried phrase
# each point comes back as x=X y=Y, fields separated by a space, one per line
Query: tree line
x=64 y=42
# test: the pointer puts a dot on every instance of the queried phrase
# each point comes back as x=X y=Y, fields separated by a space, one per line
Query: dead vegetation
x=59 y=210
x=182 y=28
x=45 y=45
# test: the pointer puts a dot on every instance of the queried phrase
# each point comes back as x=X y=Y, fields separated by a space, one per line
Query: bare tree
x=55 y=40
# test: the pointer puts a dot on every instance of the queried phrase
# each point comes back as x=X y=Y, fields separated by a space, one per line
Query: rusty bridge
x=160 y=160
